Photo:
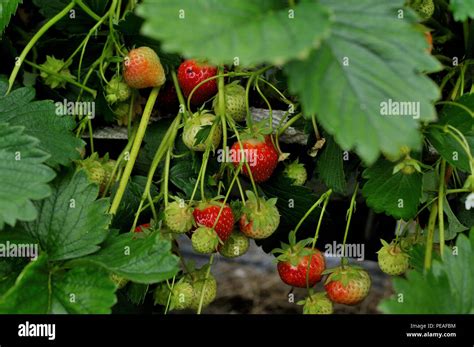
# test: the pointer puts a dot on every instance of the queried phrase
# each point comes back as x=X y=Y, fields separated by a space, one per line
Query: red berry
x=140 y=228
x=347 y=285
x=142 y=69
x=294 y=272
x=190 y=74
x=261 y=156
x=206 y=214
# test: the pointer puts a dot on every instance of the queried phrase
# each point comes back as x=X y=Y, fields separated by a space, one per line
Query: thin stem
x=289 y=123
x=430 y=237
x=349 y=214
x=166 y=175
x=33 y=41
x=87 y=10
x=316 y=204
x=441 y=196
x=65 y=78
x=135 y=148
x=201 y=299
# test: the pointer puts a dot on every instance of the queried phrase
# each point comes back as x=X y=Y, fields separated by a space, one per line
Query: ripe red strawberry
x=293 y=263
x=142 y=69
x=347 y=285
x=260 y=154
x=260 y=217
x=190 y=74
x=205 y=214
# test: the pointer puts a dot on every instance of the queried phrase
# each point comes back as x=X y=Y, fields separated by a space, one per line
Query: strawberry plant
x=138 y=138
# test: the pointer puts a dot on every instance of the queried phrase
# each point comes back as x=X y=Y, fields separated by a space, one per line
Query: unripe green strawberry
x=317 y=304
x=296 y=172
x=182 y=295
x=193 y=126
x=94 y=169
x=236 y=245
x=143 y=69
x=53 y=72
x=259 y=219
x=117 y=90
x=392 y=260
x=205 y=240
x=119 y=281
x=207 y=287
x=179 y=217
x=234 y=102
x=109 y=166
x=425 y=8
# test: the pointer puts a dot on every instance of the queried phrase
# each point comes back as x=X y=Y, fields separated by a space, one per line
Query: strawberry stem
x=316 y=204
x=430 y=237
x=34 y=39
x=441 y=197
x=316 y=234
x=135 y=148
x=349 y=214
x=201 y=299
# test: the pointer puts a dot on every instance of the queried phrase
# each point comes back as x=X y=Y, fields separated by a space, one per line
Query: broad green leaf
x=29 y=294
x=397 y=195
x=447 y=288
x=254 y=32
x=452 y=225
x=73 y=223
x=455 y=115
x=143 y=260
x=10 y=268
x=371 y=57
x=7 y=10
x=330 y=166
x=84 y=290
x=23 y=175
x=462 y=9
x=123 y=219
x=422 y=294
x=41 y=121
x=459 y=267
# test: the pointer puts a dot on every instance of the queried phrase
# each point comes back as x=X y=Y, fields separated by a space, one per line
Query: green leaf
x=10 y=268
x=453 y=226
x=123 y=219
x=397 y=195
x=220 y=31
x=72 y=222
x=447 y=288
x=7 y=9
x=458 y=117
x=29 y=294
x=370 y=58
x=462 y=9
x=421 y=294
x=143 y=260
x=330 y=166
x=23 y=175
x=84 y=290
x=41 y=121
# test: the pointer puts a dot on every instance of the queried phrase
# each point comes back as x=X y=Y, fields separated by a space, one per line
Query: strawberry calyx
x=294 y=252
x=343 y=274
